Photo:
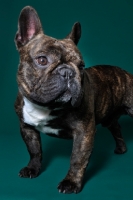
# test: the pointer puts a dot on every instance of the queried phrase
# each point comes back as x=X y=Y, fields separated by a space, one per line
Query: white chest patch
x=38 y=116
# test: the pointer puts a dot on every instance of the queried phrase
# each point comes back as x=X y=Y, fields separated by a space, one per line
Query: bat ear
x=75 y=33
x=29 y=25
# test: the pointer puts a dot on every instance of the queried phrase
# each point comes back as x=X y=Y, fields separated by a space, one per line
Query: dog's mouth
x=73 y=94
x=64 y=97
x=56 y=90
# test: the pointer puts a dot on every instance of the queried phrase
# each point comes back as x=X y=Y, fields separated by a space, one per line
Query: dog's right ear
x=29 y=25
x=75 y=33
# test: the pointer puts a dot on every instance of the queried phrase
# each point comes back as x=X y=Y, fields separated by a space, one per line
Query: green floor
x=107 y=38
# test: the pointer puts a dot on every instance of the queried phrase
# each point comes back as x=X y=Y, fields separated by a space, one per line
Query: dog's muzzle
x=61 y=86
x=73 y=92
x=66 y=73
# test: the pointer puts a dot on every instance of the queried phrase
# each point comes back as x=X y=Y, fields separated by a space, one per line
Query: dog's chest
x=38 y=117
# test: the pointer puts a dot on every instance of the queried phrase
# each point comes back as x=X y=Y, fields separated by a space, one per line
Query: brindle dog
x=59 y=97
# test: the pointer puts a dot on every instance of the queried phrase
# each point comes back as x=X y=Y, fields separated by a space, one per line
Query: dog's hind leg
x=116 y=132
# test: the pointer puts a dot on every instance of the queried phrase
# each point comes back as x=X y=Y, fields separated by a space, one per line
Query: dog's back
x=113 y=91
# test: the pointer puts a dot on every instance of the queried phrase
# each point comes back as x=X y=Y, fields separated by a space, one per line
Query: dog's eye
x=42 y=60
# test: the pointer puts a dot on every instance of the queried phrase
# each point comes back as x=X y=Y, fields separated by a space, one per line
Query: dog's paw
x=67 y=187
x=28 y=172
x=120 y=150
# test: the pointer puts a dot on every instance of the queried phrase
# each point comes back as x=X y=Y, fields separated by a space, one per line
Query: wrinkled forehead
x=48 y=45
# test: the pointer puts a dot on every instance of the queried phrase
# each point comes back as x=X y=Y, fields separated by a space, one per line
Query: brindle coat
x=77 y=99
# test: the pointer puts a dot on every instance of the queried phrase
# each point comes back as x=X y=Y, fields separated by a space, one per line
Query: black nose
x=66 y=73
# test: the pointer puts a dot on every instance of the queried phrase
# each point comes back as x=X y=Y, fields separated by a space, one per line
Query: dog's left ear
x=75 y=33
x=29 y=25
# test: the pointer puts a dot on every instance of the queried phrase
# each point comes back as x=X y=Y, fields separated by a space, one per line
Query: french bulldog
x=59 y=97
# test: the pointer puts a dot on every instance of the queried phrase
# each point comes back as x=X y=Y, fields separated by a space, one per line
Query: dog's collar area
x=53 y=105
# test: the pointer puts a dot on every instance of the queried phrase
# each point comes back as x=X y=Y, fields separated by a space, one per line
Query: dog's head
x=50 y=69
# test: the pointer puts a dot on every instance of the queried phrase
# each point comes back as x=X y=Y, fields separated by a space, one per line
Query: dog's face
x=50 y=69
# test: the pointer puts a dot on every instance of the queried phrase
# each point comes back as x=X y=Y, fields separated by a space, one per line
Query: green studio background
x=107 y=38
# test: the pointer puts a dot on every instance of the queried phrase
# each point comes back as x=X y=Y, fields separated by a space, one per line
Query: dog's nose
x=66 y=73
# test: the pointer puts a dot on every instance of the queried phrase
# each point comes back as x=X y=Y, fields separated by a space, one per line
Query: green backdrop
x=107 y=38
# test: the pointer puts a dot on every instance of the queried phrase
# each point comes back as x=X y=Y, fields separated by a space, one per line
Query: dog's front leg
x=32 y=140
x=82 y=148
